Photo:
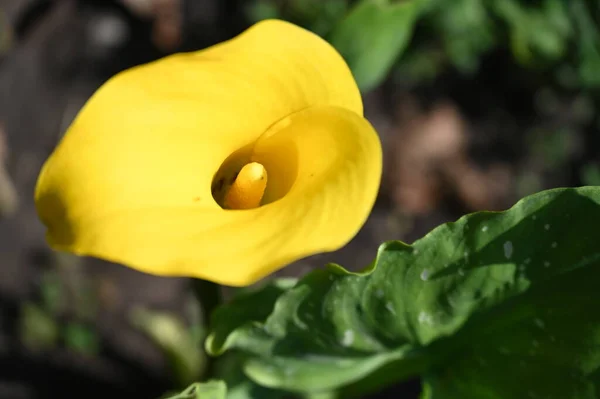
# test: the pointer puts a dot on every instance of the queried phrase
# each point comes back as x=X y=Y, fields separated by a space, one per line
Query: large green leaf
x=419 y=308
x=373 y=35
x=205 y=390
x=229 y=368
x=545 y=344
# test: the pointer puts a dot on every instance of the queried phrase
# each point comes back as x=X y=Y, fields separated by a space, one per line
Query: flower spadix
x=224 y=164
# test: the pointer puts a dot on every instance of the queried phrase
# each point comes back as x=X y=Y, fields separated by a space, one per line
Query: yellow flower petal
x=333 y=157
x=131 y=180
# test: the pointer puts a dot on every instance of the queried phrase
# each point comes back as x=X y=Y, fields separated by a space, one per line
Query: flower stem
x=210 y=297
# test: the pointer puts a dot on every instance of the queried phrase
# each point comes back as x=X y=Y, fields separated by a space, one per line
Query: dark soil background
x=453 y=144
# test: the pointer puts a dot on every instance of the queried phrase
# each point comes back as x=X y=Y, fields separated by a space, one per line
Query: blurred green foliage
x=179 y=344
x=38 y=330
x=52 y=292
x=50 y=323
x=552 y=35
x=557 y=35
x=384 y=31
x=316 y=15
x=81 y=338
x=591 y=174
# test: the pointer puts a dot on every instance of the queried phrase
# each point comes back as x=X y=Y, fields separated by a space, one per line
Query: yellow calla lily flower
x=224 y=164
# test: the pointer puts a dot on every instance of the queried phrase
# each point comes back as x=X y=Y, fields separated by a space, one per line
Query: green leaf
x=244 y=309
x=229 y=368
x=457 y=22
x=37 y=328
x=539 y=346
x=420 y=307
x=372 y=36
x=538 y=32
x=52 y=292
x=590 y=174
x=589 y=37
x=81 y=338
x=182 y=351
x=262 y=10
x=205 y=390
x=316 y=15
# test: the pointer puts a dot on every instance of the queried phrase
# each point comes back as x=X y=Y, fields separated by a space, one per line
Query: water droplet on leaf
x=348 y=338
x=508 y=249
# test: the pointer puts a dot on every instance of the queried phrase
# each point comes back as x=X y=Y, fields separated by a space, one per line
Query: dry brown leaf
x=428 y=158
x=167 y=30
x=423 y=144
x=167 y=25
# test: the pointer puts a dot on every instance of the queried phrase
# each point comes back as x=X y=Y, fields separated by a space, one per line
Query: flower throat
x=243 y=190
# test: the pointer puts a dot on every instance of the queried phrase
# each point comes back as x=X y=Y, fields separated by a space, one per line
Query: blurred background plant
x=478 y=103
